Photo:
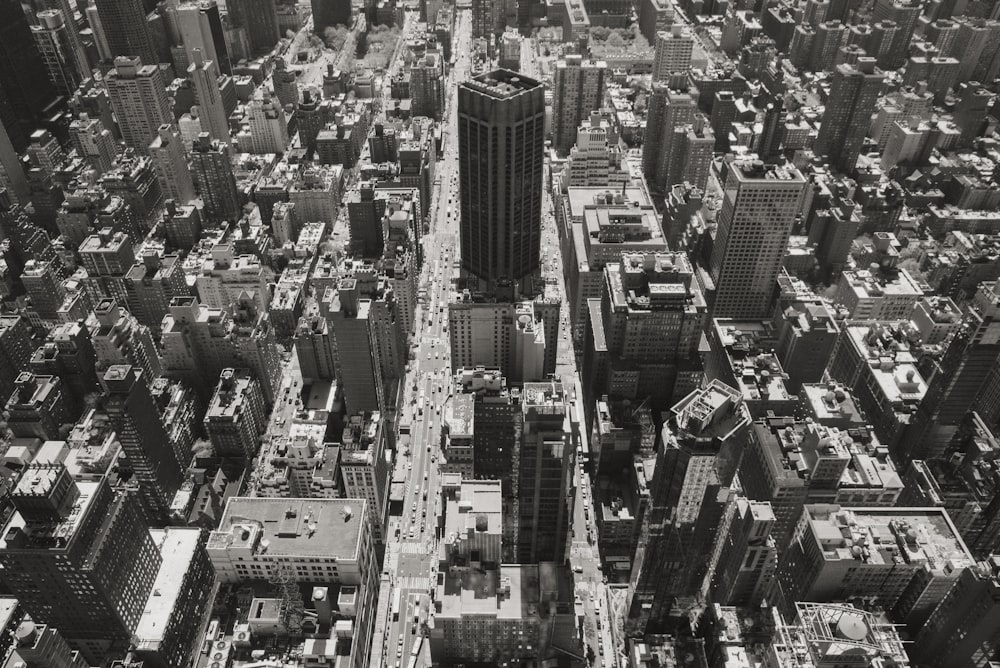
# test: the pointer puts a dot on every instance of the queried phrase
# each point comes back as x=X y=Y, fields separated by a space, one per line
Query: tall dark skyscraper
x=330 y=13
x=853 y=95
x=25 y=89
x=259 y=19
x=79 y=556
x=501 y=126
x=126 y=30
x=144 y=440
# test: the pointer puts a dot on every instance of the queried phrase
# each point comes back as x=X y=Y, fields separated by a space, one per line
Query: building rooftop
x=329 y=528
x=501 y=84
x=889 y=535
x=177 y=547
x=459 y=415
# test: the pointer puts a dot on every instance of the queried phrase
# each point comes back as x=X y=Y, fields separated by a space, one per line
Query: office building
x=212 y=168
x=78 y=556
x=40 y=646
x=501 y=199
x=596 y=160
x=258 y=19
x=759 y=207
x=486 y=610
x=427 y=86
x=93 y=142
x=663 y=160
x=819 y=635
x=37 y=407
x=545 y=473
x=139 y=99
x=12 y=175
x=349 y=313
x=749 y=560
x=331 y=13
x=673 y=53
x=211 y=108
x=964 y=625
x=510 y=336
x=168 y=157
x=497 y=421
x=655 y=16
x=175 y=611
x=853 y=93
x=118 y=338
x=53 y=41
x=268 y=126
x=487 y=19
x=200 y=28
x=144 y=440
x=365 y=468
x=198 y=342
x=236 y=415
x=26 y=95
x=126 y=30
x=903 y=559
x=323 y=542
x=15 y=350
x=577 y=91
x=695 y=464
x=641 y=294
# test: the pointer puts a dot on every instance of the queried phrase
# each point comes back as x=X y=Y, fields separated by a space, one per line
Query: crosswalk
x=418 y=582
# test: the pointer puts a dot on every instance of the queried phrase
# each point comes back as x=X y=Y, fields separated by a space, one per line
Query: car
x=413 y=507
x=578 y=569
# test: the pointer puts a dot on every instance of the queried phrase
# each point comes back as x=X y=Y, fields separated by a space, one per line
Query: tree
x=600 y=34
x=615 y=40
x=335 y=37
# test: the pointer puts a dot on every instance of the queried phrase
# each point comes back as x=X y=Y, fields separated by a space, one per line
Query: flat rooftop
x=177 y=547
x=879 y=535
x=294 y=527
x=501 y=84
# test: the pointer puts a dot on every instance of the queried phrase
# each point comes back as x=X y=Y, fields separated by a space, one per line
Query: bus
x=395 y=604
x=420 y=406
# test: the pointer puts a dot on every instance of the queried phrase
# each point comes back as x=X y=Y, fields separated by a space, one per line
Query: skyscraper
x=545 y=474
x=126 y=31
x=330 y=13
x=204 y=74
x=501 y=136
x=25 y=91
x=79 y=557
x=200 y=27
x=53 y=41
x=849 y=107
x=144 y=440
x=259 y=18
x=167 y=154
x=577 y=91
x=139 y=99
x=673 y=52
x=214 y=179
x=759 y=207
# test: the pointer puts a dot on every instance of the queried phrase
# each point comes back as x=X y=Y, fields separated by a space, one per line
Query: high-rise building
x=215 y=180
x=37 y=407
x=694 y=463
x=349 y=315
x=545 y=473
x=427 y=86
x=41 y=645
x=669 y=109
x=673 y=53
x=487 y=19
x=749 y=558
x=655 y=16
x=53 y=41
x=759 y=208
x=200 y=28
x=328 y=13
x=139 y=99
x=126 y=30
x=15 y=351
x=167 y=155
x=12 y=175
x=822 y=564
x=965 y=624
x=904 y=13
x=501 y=134
x=25 y=91
x=79 y=557
x=853 y=94
x=259 y=19
x=236 y=416
x=319 y=540
x=144 y=440
x=93 y=142
x=268 y=126
x=578 y=90
x=205 y=76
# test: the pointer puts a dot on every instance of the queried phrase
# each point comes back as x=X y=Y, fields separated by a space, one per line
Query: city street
x=412 y=549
